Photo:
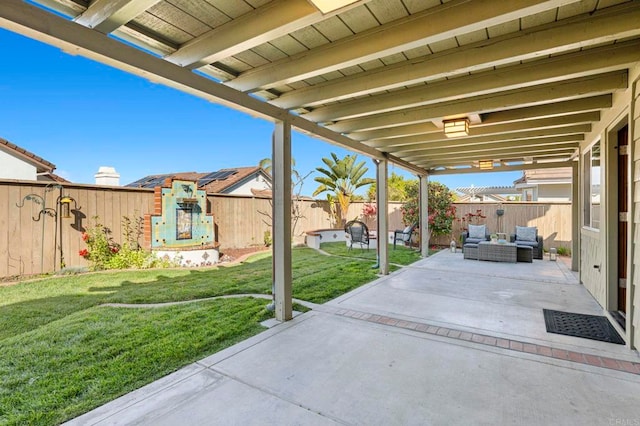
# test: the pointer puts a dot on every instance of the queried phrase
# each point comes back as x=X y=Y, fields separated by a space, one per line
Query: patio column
x=383 y=216
x=281 y=219
x=424 y=215
x=575 y=217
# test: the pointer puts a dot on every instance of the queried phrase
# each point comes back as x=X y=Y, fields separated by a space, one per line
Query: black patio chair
x=404 y=235
x=358 y=234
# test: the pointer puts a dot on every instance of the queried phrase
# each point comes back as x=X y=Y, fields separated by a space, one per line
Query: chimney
x=107 y=176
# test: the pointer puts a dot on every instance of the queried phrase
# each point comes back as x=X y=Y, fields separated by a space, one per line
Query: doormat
x=592 y=327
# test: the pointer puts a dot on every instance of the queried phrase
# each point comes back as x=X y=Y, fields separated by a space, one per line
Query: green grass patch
x=86 y=359
x=401 y=255
x=63 y=354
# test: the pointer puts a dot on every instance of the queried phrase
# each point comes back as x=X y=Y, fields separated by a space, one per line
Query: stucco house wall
x=552 y=193
x=12 y=167
x=257 y=182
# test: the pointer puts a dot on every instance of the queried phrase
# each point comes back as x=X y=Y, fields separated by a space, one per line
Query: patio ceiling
x=378 y=76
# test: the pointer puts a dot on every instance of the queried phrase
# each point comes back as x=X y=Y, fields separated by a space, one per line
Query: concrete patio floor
x=444 y=341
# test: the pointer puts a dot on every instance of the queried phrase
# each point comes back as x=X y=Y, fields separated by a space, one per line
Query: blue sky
x=80 y=115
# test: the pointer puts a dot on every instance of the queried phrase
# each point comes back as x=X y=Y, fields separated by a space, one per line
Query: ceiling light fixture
x=327 y=6
x=486 y=164
x=456 y=127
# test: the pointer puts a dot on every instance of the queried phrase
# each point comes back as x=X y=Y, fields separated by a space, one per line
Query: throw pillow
x=477 y=231
x=526 y=233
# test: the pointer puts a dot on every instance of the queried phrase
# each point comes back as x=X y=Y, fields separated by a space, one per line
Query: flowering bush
x=369 y=211
x=100 y=246
x=103 y=252
x=441 y=212
x=471 y=218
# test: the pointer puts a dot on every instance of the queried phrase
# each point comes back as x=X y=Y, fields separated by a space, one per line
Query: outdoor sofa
x=528 y=236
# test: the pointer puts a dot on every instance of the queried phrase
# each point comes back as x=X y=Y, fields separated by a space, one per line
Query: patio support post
x=424 y=215
x=575 y=217
x=383 y=216
x=281 y=219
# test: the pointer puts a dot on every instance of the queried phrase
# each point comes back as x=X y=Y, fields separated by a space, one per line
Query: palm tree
x=341 y=179
x=267 y=165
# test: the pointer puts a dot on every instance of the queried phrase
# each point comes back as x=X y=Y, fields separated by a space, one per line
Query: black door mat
x=592 y=327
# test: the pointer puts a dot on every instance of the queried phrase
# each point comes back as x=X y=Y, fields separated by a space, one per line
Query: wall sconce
x=456 y=127
x=486 y=164
x=553 y=254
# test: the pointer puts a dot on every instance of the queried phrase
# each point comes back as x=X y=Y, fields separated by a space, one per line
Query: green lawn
x=64 y=354
x=401 y=255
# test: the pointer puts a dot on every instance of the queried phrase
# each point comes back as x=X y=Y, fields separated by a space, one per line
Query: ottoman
x=525 y=254
x=470 y=251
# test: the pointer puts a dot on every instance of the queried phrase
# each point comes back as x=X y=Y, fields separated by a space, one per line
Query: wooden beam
x=108 y=15
x=268 y=22
x=503 y=168
x=518 y=98
x=494 y=154
x=554 y=69
x=487 y=146
x=429 y=26
x=579 y=32
x=509 y=131
x=554 y=109
x=544 y=133
x=505 y=161
x=393 y=132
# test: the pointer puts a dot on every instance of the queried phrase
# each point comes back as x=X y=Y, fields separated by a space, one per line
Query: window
x=591 y=174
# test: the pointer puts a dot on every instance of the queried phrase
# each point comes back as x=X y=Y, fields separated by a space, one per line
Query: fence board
x=240 y=221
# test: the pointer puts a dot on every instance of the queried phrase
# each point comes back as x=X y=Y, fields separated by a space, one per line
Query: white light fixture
x=486 y=164
x=456 y=127
x=327 y=6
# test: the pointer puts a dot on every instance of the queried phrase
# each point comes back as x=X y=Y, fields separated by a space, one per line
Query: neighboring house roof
x=52 y=177
x=553 y=175
x=41 y=165
x=221 y=181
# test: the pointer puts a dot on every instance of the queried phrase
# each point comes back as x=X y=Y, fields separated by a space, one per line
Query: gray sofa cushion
x=474 y=240
x=526 y=233
x=477 y=232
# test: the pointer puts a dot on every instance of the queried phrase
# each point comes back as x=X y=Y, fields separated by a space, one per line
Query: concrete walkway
x=445 y=341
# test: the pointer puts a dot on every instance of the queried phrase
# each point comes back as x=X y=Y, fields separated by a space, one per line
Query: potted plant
x=494 y=238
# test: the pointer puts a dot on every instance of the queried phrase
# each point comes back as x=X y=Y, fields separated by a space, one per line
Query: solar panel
x=148 y=181
x=219 y=175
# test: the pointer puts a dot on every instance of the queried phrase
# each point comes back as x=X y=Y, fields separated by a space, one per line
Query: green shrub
x=103 y=252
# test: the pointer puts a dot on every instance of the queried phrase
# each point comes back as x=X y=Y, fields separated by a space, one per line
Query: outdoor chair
x=475 y=234
x=528 y=236
x=404 y=235
x=358 y=234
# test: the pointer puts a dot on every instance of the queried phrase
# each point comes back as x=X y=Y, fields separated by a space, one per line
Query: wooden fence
x=31 y=247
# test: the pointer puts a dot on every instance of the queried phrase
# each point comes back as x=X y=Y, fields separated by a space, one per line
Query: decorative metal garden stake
x=63 y=202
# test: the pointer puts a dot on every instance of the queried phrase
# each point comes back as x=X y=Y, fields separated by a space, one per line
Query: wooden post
x=383 y=216
x=282 y=277
x=424 y=216
x=575 y=217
